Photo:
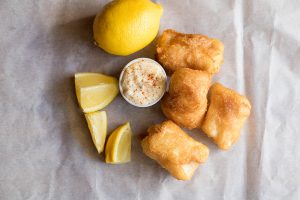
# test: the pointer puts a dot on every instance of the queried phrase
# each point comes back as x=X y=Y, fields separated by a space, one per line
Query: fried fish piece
x=174 y=150
x=226 y=115
x=186 y=101
x=177 y=50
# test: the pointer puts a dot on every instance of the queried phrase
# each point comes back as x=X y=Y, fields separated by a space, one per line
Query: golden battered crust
x=177 y=50
x=174 y=150
x=226 y=115
x=186 y=101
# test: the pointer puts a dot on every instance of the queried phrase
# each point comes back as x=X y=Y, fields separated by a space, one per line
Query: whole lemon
x=126 y=26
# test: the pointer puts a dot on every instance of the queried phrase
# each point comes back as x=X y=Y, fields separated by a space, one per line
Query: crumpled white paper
x=46 y=151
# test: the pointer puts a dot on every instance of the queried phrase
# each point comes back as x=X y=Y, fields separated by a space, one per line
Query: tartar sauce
x=143 y=82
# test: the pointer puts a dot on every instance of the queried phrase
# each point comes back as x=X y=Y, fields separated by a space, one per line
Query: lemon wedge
x=118 y=147
x=97 y=123
x=95 y=91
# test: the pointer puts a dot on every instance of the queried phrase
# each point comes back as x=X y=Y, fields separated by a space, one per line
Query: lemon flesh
x=118 y=147
x=95 y=91
x=126 y=26
x=97 y=123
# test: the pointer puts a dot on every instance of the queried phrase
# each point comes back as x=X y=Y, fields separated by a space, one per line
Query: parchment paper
x=46 y=151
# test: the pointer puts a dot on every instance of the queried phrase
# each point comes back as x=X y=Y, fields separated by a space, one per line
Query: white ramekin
x=121 y=77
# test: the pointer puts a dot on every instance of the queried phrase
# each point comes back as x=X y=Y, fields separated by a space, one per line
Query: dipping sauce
x=143 y=82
